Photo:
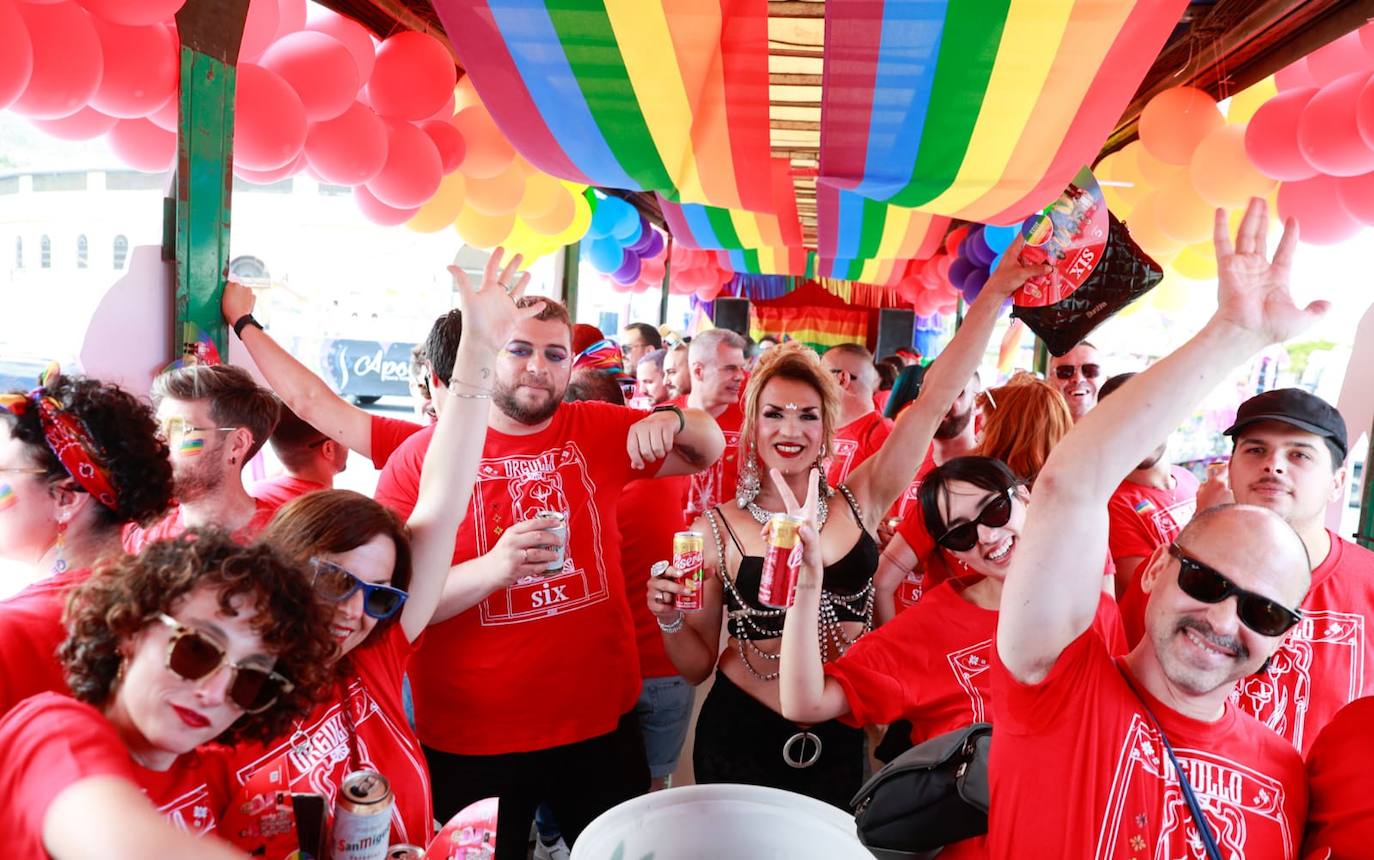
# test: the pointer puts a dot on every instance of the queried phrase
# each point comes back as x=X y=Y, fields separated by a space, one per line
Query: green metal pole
x=1365 y=535
x=210 y=32
x=1042 y=357
x=571 y=256
x=663 y=299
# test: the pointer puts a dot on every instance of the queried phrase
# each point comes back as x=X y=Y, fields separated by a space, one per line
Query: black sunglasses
x=995 y=514
x=338 y=584
x=1090 y=371
x=192 y=655
x=1205 y=584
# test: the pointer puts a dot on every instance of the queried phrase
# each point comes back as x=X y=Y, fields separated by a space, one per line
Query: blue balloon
x=628 y=225
x=641 y=243
x=605 y=254
x=628 y=271
x=999 y=238
x=996 y=261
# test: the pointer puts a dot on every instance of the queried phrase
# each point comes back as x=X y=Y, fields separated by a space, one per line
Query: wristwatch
x=243 y=322
x=668 y=407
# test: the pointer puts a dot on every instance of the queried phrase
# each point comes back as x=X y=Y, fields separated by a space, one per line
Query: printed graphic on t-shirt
x=845 y=449
x=908 y=499
x=967 y=664
x=1280 y=698
x=912 y=586
x=1235 y=799
x=516 y=488
x=1168 y=522
x=192 y=811
x=708 y=486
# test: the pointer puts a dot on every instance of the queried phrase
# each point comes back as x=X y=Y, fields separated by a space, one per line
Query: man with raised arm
x=1105 y=733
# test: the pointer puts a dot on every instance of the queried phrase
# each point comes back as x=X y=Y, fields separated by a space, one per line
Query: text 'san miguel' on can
x=362 y=817
x=556 y=565
x=688 y=564
x=405 y=852
x=779 y=578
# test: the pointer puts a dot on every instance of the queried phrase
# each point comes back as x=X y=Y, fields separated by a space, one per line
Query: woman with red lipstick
x=383 y=581
x=195 y=640
x=790 y=408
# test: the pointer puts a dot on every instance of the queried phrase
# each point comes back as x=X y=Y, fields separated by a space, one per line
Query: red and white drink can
x=688 y=564
x=778 y=581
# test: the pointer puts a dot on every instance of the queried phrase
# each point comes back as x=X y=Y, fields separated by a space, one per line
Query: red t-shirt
x=1341 y=780
x=545 y=662
x=136 y=537
x=318 y=749
x=1143 y=518
x=1078 y=770
x=31 y=630
x=387 y=436
x=282 y=489
x=933 y=564
x=195 y=792
x=855 y=442
x=648 y=513
x=717 y=483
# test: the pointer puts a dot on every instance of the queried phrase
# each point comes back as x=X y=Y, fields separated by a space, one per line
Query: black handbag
x=930 y=796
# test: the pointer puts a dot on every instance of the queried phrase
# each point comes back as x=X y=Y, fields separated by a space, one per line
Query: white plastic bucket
x=721 y=822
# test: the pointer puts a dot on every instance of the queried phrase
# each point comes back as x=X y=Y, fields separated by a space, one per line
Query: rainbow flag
x=721 y=228
x=864 y=240
x=192 y=446
x=812 y=315
x=1144 y=506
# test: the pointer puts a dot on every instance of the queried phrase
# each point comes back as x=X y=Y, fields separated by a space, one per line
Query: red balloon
x=353 y=35
x=259 y=29
x=448 y=140
x=67 y=62
x=319 y=68
x=909 y=288
x=133 y=13
x=165 y=117
x=290 y=16
x=142 y=65
x=16 y=54
x=143 y=146
x=1366 y=34
x=1271 y=138
x=412 y=171
x=1294 y=76
x=1338 y=59
x=954 y=238
x=1364 y=113
x=267 y=177
x=1357 y=195
x=349 y=150
x=450 y=107
x=269 y=120
x=1328 y=135
x=378 y=212
x=85 y=124
x=1316 y=203
x=413 y=77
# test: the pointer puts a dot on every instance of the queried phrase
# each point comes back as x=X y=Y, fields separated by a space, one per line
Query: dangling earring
x=747 y=485
x=823 y=486
x=59 y=564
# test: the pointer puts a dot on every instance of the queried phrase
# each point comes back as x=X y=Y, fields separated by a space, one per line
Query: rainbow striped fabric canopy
x=980 y=110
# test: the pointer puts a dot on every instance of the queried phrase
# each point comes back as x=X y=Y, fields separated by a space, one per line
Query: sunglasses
x=193 y=656
x=1255 y=611
x=338 y=584
x=176 y=427
x=1090 y=371
x=995 y=514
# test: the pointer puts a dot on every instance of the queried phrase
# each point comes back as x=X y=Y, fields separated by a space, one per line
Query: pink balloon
x=1328 y=134
x=142 y=65
x=143 y=146
x=1357 y=195
x=85 y=124
x=133 y=13
x=1294 y=76
x=1338 y=59
x=259 y=30
x=378 y=212
x=413 y=77
x=1364 y=113
x=349 y=150
x=267 y=177
x=353 y=35
x=16 y=54
x=448 y=140
x=1271 y=138
x=412 y=171
x=1316 y=203
x=66 y=60
x=1366 y=34
x=290 y=16
x=319 y=68
x=165 y=117
x=269 y=120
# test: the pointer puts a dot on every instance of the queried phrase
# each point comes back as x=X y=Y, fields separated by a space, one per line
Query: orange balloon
x=542 y=193
x=557 y=219
x=465 y=94
x=1120 y=183
x=1181 y=214
x=443 y=207
x=1223 y=174
x=498 y=195
x=1175 y=122
x=483 y=231
x=1144 y=228
x=1156 y=173
x=488 y=152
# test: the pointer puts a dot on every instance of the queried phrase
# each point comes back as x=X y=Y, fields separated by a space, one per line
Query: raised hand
x=236 y=301
x=1252 y=289
x=490 y=310
x=1010 y=274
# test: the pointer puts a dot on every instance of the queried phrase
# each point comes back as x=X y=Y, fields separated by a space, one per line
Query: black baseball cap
x=1295 y=407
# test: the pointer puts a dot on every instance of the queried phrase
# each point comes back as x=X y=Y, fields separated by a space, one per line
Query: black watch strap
x=244 y=322
x=668 y=407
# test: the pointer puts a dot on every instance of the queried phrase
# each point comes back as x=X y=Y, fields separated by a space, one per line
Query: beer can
x=362 y=817
x=688 y=548
x=779 y=578
x=556 y=565
x=405 y=852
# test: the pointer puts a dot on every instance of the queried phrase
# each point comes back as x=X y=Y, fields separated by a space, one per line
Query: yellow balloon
x=1197 y=262
x=1244 y=103
x=582 y=219
x=1144 y=228
x=498 y=195
x=1171 y=295
x=483 y=231
x=443 y=207
x=465 y=94
x=542 y=194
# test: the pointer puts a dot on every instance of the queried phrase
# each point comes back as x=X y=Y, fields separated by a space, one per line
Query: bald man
x=862 y=429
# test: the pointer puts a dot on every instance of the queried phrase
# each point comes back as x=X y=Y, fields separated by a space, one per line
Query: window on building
x=19 y=252
x=121 y=251
x=83 y=250
x=45 y=252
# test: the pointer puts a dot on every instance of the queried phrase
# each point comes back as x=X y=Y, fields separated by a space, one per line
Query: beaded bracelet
x=673 y=626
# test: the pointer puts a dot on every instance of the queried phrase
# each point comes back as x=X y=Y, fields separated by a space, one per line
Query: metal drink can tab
x=405 y=852
x=779 y=578
x=362 y=817
x=689 y=566
x=556 y=565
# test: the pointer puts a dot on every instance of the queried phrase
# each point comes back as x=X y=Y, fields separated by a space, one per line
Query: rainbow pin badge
x=1145 y=506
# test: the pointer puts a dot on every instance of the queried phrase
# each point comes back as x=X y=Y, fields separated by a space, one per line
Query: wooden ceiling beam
x=795 y=9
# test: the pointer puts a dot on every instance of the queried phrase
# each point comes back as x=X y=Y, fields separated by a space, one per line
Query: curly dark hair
x=125 y=431
x=122 y=595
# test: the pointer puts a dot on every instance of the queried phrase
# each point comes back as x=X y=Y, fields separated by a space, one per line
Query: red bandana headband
x=67 y=436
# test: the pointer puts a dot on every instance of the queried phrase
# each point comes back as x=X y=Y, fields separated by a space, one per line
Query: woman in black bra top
x=790 y=408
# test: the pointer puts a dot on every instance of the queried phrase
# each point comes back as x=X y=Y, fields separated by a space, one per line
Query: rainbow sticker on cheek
x=8 y=498
x=192 y=447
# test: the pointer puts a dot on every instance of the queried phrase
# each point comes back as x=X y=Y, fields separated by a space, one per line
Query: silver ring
x=525 y=554
x=802 y=738
x=506 y=287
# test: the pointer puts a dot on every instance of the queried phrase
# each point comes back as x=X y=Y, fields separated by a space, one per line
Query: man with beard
x=525 y=686
x=1149 y=753
x=1150 y=507
x=214 y=419
x=718 y=359
x=649 y=375
x=1076 y=373
x=861 y=429
x=677 y=374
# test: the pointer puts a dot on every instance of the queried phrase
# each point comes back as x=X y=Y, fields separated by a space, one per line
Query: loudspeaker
x=895 y=328
x=733 y=314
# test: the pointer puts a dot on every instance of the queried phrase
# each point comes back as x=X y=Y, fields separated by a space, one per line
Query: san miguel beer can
x=556 y=565
x=779 y=578
x=362 y=817
x=688 y=564
x=405 y=852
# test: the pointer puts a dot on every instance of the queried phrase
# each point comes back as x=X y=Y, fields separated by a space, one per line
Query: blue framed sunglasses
x=337 y=583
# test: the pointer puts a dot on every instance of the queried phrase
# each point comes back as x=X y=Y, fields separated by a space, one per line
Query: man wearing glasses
x=214 y=419
x=1076 y=374
x=637 y=341
x=1151 y=755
